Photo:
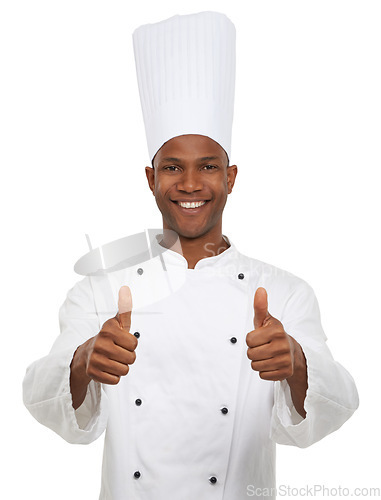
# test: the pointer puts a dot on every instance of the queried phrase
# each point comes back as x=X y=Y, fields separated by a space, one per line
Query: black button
x=224 y=410
x=233 y=340
x=213 y=480
x=140 y=271
x=241 y=276
x=137 y=474
x=137 y=334
x=138 y=402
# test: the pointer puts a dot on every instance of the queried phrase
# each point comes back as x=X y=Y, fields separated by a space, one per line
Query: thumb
x=260 y=307
x=124 y=308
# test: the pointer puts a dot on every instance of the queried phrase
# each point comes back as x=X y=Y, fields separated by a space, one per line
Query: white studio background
x=306 y=138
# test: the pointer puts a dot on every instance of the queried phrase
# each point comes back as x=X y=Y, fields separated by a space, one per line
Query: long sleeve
x=331 y=396
x=46 y=385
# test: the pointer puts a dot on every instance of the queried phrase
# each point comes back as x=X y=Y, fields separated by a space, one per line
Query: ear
x=231 y=173
x=150 y=174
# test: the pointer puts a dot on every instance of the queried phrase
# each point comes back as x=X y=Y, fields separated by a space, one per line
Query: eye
x=170 y=168
x=209 y=167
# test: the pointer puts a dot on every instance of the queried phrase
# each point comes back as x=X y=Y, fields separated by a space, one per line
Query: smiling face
x=191 y=181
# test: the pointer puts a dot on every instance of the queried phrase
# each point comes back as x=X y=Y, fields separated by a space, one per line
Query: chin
x=190 y=233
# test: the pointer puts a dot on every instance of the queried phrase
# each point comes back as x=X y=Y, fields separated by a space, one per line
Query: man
x=212 y=356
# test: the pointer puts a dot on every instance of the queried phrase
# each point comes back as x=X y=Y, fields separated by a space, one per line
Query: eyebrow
x=170 y=158
x=204 y=158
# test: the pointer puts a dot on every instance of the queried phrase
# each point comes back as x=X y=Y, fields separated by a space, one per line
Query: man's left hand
x=275 y=354
x=271 y=350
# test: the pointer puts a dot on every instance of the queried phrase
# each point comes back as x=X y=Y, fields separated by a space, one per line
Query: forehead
x=190 y=147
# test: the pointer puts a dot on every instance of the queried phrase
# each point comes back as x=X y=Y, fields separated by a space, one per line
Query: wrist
x=79 y=362
x=79 y=380
x=300 y=366
x=298 y=381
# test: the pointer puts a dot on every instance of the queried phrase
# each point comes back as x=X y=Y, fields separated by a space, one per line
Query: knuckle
x=125 y=370
x=92 y=360
x=133 y=358
x=276 y=322
x=280 y=349
x=287 y=362
x=108 y=324
x=91 y=372
x=279 y=334
x=100 y=351
x=134 y=341
x=97 y=345
x=110 y=328
x=104 y=334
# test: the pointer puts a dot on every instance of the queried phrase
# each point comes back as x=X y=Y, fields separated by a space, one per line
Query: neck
x=195 y=249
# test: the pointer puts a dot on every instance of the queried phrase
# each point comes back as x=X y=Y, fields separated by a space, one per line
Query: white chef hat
x=186 y=76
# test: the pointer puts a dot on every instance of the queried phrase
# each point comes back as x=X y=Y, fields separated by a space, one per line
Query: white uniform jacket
x=191 y=420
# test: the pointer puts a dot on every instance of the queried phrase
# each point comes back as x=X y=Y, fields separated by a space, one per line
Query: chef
x=199 y=359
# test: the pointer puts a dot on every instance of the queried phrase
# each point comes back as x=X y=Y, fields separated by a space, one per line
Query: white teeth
x=192 y=204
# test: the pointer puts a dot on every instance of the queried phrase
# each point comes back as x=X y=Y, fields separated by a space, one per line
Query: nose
x=190 y=181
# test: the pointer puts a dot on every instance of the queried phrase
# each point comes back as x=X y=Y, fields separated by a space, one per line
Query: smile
x=190 y=207
x=191 y=204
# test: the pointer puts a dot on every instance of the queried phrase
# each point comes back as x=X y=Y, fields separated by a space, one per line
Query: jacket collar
x=173 y=255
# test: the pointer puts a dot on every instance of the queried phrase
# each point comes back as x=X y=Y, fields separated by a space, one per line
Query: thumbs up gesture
x=111 y=352
x=107 y=356
x=270 y=349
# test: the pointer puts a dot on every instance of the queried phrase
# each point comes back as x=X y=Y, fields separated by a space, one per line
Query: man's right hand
x=107 y=356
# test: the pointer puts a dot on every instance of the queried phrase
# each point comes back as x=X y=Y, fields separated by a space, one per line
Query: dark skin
x=275 y=354
x=106 y=357
x=191 y=168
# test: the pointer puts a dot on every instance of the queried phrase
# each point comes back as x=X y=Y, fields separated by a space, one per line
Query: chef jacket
x=191 y=419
